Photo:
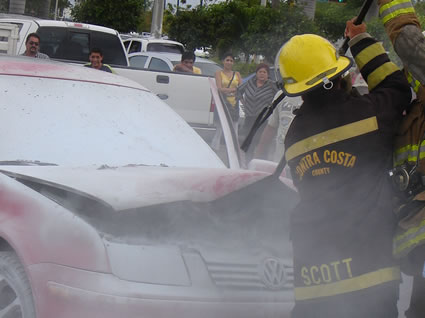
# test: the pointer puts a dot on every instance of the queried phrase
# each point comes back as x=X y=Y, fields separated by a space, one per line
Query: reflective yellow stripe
x=401 y=248
x=392 y=4
x=378 y=75
x=406 y=149
x=370 y=52
x=396 y=13
x=413 y=83
x=348 y=285
x=332 y=136
x=409 y=153
x=409 y=232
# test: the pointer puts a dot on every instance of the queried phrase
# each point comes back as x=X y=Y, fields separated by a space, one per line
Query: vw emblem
x=272 y=272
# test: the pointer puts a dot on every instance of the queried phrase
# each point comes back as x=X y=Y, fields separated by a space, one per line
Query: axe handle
x=365 y=8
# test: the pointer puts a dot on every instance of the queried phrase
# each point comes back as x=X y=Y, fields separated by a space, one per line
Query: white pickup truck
x=188 y=95
x=9 y=35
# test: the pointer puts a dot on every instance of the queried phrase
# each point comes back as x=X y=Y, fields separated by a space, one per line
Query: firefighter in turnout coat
x=339 y=149
x=404 y=30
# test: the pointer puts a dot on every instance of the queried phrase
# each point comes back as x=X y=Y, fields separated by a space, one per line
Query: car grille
x=245 y=276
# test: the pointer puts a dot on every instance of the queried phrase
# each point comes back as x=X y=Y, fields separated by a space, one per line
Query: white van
x=69 y=41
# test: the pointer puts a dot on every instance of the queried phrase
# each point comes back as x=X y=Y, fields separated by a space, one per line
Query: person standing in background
x=187 y=60
x=227 y=82
x=255 y=94
x=96 y=61
x=32 y=45
x=276 y=128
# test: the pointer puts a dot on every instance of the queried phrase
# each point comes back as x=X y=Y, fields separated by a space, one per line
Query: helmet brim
x=300 y=88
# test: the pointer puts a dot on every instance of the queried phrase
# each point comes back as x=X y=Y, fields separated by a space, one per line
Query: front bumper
x=65 y=292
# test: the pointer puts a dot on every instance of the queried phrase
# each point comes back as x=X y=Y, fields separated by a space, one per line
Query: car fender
x=41 y=231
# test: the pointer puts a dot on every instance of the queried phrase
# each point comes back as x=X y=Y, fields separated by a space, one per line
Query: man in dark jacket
x=339 y=149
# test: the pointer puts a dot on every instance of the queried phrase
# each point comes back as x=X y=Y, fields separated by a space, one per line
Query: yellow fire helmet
x=308 y=61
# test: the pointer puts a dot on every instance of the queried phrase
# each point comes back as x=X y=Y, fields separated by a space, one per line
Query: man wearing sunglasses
x=32 y=47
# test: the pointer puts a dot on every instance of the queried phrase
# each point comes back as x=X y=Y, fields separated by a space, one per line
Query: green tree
x=39 y=8
x=238 y=25
x=269 y=29
x=227 y=22
x=188 y=27
x=4 y=5
x=123 y=15
x=420 y=11
x=331 y=17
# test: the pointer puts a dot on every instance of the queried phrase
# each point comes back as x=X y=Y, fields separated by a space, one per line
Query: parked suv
x=69 y=40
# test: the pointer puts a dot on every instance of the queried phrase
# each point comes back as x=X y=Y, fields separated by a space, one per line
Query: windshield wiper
x=25 y=163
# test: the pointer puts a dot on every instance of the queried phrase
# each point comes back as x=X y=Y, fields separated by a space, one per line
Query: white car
x=202 y=52
x=166 y=62
x=112 y=206
x=151 y=44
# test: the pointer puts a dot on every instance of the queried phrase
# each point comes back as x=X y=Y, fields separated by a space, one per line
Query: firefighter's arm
x=370 y=55
x=387 y=84
x=403 y=28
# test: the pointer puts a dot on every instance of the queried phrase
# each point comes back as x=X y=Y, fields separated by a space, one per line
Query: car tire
x=16 y=300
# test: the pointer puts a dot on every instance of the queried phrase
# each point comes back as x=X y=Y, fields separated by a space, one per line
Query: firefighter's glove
x=351 y=30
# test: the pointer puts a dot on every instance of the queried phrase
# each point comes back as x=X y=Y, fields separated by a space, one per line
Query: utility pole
x=157 y=16
x=56 y=10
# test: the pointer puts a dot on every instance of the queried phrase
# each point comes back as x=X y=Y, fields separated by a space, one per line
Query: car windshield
x=208 y=68
x=69 y=122
x=75 y=44
x=165 y=47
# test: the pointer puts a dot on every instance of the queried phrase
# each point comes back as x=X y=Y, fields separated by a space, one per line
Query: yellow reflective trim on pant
x=369 y=53
x=396 y=13
x=379 y=74
x=405 y=242
x=364 y=281
x=409 y=231
x=409 y=153
x=332 y=136
x=413 y=83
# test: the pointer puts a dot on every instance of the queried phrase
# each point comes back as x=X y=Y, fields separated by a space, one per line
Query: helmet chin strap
x=327 y=84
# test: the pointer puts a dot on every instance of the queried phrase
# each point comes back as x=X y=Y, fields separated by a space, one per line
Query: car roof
x=173 y=57
x=55 y=23
x=151 y=40
x=32 y=67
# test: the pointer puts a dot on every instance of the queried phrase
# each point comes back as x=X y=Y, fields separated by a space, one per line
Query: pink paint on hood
x=132 y=187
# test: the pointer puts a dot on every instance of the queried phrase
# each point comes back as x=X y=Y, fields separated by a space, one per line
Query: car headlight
x=147 y=263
